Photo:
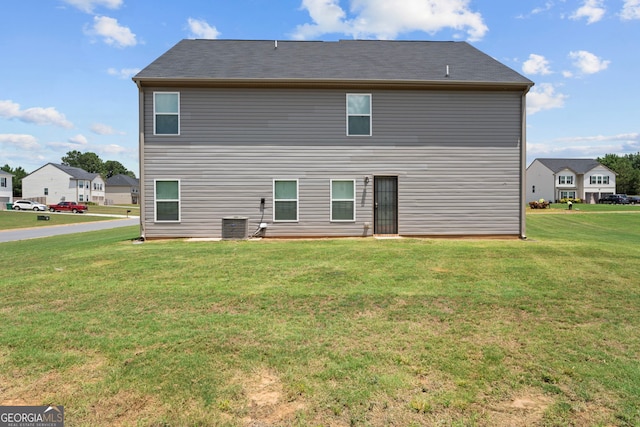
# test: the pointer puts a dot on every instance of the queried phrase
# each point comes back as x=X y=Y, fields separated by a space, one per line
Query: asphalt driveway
x=38 y=232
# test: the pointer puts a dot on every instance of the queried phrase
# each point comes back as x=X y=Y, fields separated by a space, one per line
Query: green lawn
x=581 y=207
x=27 y=219
x=329 y=332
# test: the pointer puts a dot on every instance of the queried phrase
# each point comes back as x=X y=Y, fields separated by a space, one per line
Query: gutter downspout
x=141 y=196
x=523 y=165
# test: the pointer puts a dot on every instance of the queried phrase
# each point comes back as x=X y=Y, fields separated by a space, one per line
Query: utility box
x=235 y=228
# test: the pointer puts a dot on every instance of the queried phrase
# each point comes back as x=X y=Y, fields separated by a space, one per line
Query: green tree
x=18 y=173
x=88 y=161
x=113 y=167
x=627 y=169
x=91 y=162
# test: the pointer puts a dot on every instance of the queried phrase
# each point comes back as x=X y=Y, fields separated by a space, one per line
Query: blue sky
x=66 y=65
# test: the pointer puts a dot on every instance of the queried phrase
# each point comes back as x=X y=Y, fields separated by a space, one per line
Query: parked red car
x=68 y=207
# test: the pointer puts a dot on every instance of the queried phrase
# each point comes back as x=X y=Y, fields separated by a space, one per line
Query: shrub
x=567 y=199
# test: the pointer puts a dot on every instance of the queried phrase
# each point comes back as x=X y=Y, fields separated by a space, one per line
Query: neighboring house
x=53 y=183
x=556 y=179
x=348 y=138
x=6 y=188
x=122 y=189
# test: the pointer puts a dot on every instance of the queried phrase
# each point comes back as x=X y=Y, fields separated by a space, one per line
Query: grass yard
x=26 y=219
x=345 y=332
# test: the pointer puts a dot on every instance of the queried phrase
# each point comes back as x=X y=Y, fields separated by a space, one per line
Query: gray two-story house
x=316 y=139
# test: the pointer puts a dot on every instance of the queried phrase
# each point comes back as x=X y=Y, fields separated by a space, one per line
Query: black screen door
x=385 y=202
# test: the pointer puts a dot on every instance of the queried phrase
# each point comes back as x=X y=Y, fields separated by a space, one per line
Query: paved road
x=56 y=230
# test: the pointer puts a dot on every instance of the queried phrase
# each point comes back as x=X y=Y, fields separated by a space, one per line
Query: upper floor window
x=285 y=200
x=358 y=114
x=343 y=200
x=3 y=182
x=166 y=113
x=565 y=179
x=599 y=180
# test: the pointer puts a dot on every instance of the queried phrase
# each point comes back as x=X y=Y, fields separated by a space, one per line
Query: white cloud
x=544 y=97
x=111 y=149
x=622 y=137
x=112 y=32
x=200 y=29
x=102 y=129
x=547 y=7
x=21 y=141
x=587 y=62
x=89 y=5
x=536 y=64
x=383 y=19
x=592 y=10
x=630 y=10
x=79 y=140
x=36 y=115
x=123 y=73
x=585 y=146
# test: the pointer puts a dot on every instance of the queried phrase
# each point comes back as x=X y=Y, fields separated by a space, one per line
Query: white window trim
x=155 y=202
x=297 y=200
x=331 y=200
x=370 y=115
x=602 y=179
x=155 y=114
x=567 y=178
x=3 y=182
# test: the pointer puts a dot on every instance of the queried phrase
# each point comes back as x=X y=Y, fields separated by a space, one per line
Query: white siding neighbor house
x=556 y=179
x=6 y=188
x=53 y=183
x=315 y=139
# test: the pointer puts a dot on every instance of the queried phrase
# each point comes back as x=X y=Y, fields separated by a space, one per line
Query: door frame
x=378 y=227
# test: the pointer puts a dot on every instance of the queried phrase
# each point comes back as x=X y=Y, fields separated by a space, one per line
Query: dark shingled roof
x=579 y=166
x=123 y=180
x=76 y=173
x=345 y=60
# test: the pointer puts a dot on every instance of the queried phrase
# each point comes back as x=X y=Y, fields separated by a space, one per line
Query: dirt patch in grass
x=525 y=409
x=267 y=402
x=52 y=386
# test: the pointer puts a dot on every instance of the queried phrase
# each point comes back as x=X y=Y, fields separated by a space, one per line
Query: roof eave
x=330 y=83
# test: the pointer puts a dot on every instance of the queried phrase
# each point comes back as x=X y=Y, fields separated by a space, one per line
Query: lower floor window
x=167 y=200
x=343 y=200
x=285 y=200
x=567 y=194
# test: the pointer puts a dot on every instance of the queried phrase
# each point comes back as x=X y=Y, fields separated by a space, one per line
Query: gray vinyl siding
x=456 y=155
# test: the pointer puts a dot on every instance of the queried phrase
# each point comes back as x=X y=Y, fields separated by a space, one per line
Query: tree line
x=88 y=161
x=627 y=168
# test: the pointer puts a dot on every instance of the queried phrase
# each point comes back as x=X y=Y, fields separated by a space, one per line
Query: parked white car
x=28 y=205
